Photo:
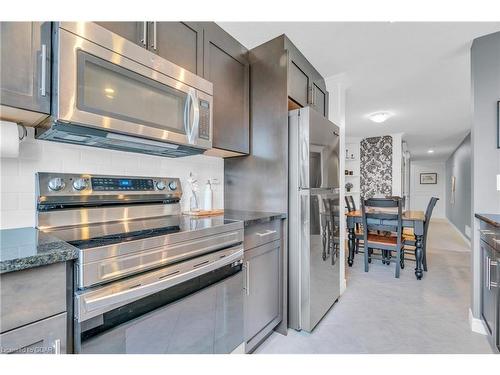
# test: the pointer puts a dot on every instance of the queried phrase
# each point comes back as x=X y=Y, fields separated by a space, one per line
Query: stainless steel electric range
x=148 y=279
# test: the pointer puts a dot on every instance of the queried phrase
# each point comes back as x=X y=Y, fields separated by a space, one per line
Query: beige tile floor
x=380 y=314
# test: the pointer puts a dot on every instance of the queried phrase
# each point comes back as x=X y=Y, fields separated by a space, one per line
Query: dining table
x=411 y=219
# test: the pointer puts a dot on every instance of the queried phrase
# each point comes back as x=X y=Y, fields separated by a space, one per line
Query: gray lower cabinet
x=490 y=282
x=47 y=336
x=25 y=65
x=37 y=322
x=263 y=270
x=262 y=300
x=226 y=66
x=490 y=295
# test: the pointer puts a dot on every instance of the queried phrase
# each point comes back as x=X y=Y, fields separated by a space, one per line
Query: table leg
x=352 y=240
x=419 y=255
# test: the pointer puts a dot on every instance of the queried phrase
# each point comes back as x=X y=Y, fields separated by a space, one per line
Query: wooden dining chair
x=348 y=203
x=330 y=229
x=358 y=233
x=383 y=222
x=409 y=236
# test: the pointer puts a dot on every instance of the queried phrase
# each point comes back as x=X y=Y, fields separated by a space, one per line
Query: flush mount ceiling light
x=379 y=117
x=431 y=151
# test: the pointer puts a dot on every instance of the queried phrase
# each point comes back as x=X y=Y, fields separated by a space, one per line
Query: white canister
x=208 y=197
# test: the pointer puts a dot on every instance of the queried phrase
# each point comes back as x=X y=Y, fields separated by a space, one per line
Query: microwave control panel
x=204 y=126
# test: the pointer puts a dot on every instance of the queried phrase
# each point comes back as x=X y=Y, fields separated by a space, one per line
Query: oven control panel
x=85 y=185
x=122 y=184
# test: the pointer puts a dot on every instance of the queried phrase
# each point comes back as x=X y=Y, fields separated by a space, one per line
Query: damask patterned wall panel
x=376 y=166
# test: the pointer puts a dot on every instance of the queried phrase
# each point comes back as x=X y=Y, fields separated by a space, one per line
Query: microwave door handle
x=191 y=128
x=196 y=118
x=187 y=113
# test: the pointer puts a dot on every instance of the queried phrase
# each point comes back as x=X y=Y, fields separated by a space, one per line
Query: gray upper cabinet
x=298 y=85
x=306 y=87
x=226 y=66
x=134 y=31
x=207 y=50
x=178 y=42
x=25 y=65
x=319 y=99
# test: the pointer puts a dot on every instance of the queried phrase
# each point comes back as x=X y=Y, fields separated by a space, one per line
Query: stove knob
x=80 y=184
x=160 y=185
x=56 y=184
x=172 y=185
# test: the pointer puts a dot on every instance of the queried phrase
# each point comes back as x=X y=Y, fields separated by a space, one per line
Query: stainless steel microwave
x=109 y=92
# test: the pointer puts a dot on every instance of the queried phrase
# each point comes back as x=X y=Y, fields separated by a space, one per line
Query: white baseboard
x=240 y=349
x=467 y=240
x=343 y=286
x=477 y=325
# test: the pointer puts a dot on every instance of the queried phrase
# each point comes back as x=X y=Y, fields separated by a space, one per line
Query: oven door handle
x=88 y=307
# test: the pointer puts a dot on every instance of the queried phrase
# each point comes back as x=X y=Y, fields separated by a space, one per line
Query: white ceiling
x=418 y=71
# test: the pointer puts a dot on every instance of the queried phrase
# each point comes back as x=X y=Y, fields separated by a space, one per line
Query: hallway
x=380 y=314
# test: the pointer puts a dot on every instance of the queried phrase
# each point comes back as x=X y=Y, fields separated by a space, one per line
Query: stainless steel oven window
x=110 y=90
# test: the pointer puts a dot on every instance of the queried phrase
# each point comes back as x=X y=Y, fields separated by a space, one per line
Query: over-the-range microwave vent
x=85 y=136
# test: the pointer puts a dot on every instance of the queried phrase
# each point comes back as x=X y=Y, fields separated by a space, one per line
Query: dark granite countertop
x=24 y=248
x=253 y=217
x=492 y=219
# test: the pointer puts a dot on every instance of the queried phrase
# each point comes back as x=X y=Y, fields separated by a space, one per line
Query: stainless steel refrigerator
x=313 y=214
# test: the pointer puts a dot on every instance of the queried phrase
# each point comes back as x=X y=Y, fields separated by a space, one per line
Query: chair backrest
x=353 y=204
x=428 y=214
x=348 y=203
x=381 y=214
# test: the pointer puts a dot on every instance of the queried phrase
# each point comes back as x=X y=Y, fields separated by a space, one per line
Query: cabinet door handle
x=266 y=233
x=144 y=34
x=155 y=44
x=57 y=346
x=488 y=272
x=491 y=263
x=247 y=278
x=43 y=87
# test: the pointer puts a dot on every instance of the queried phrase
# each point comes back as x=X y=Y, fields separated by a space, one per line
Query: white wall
x=485 y=62
x=337 y=88
x=421 y=194
x=397 y=158
x=17 y=188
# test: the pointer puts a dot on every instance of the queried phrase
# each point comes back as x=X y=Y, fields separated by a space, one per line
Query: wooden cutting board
x=204 y=212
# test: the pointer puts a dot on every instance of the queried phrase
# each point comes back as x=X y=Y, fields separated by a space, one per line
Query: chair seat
x=408 y=238
x=382 y=240
x=408 y=231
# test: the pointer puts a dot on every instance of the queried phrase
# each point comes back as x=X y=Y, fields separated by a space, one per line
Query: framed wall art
x=428 y=178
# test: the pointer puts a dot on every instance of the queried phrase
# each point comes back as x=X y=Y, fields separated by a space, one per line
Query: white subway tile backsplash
x=30 y=150
x=9 y=167
x=17 y=185
x=9 y=201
